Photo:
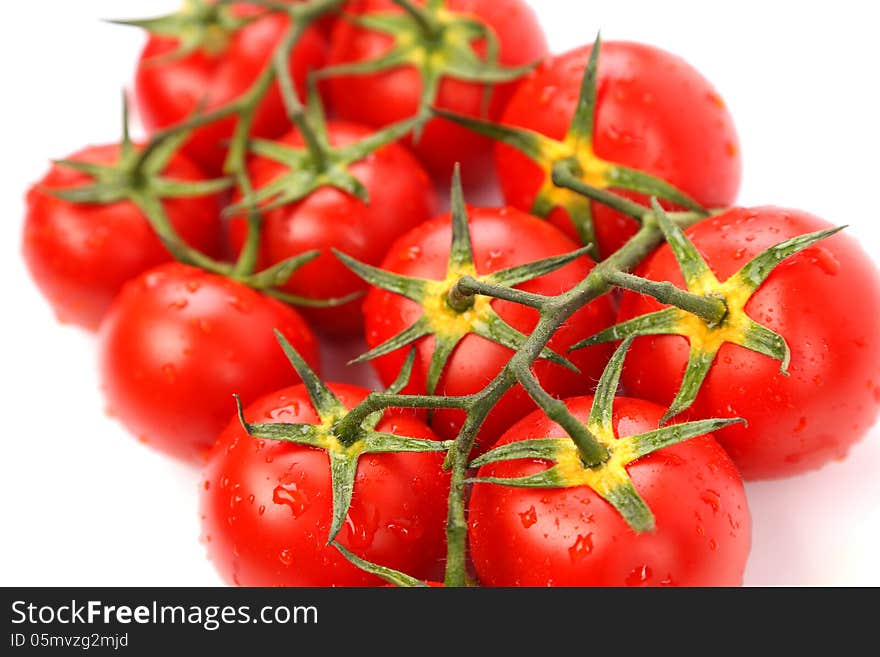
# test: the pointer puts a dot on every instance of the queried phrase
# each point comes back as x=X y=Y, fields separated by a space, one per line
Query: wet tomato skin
x=572 y=537
x=401 y=196
x=178 y=342
x=81 y=254
x=266 y=506
x=383 y=98
x=501 y=238
x=170 y=90
x=825 y=302
x=654 y=113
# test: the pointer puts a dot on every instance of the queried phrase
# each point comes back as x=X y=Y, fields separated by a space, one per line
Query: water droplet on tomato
x=826 y=261
x=529 y=517
x=262 y=509
x=712 y=544
x=638 y=576
x=581 y=547
x=178 y=304
x=712 y=498
x=285 y=556
x=241 y=305
x=290 y=496
x=193 y=286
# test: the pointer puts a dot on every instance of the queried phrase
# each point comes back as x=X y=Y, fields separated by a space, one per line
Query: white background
x=82 y=503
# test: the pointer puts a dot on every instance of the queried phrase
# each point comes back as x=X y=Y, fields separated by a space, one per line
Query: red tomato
x=654 y=113
x=178 y=342
x=267 y=506
x=81 y=254
x=390 y=96
x=501 y=238
x=572 y=537
x=401 y=197
x=832 y=396
x=170 y=90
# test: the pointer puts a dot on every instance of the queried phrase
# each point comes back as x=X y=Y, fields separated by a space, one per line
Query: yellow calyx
x=604 y=478
x=449 y=323
x=594 y=171
x=706 y=338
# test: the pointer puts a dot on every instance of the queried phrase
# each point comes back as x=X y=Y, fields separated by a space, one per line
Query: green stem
x=564 y=176
x=426 y=21
x=247 y=259
x=553 y=316
x=592 y=451
x=710 y=309
x=471 y=286
x=349 y=427
x=155 y=214
x=460 y=299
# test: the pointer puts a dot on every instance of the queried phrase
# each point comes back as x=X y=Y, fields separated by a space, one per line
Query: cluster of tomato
x=190 y=265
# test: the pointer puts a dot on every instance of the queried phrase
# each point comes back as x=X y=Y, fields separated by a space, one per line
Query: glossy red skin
x=402 y=196
x=572 y=537
x=179 y=342
x=266 y=506
x=654 y=112
x=170 y=91
x=501 y=238
x=80 y=255
x=824 y=301
x=383 y=98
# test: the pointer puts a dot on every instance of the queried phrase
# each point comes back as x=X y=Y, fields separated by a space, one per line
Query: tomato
x=266 y=505
x=178 y=342
x=80 y=254
x=825 y=302
x=654 y=113
x=401 y=196
x=501 y=238
x=386 y=97
x=572 y=537
x=171 y=88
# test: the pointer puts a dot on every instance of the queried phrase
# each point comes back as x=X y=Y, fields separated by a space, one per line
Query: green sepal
x=550 y=478
x=528 y=142
x=698 y=366
x=581 y=127
x=166 y=188
x=308 y=302
x=602 y=410
x=648 y=443
x=443 y=348
x=278 y=274
x=375 y=442
x=755 y=272
x=299 y=434
x=384 y=573
x=343 y=470
x=769 y=343
x=418 y=330
x=691 y=263
x=662 y=322
x=497 y=330
x=414 y=289
x=538 y=448
x=621 y=177
x=325 y=402
x=629 y=504
x=530 y=271
x=461 y=253
x=395 y=388
x=405 y=374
